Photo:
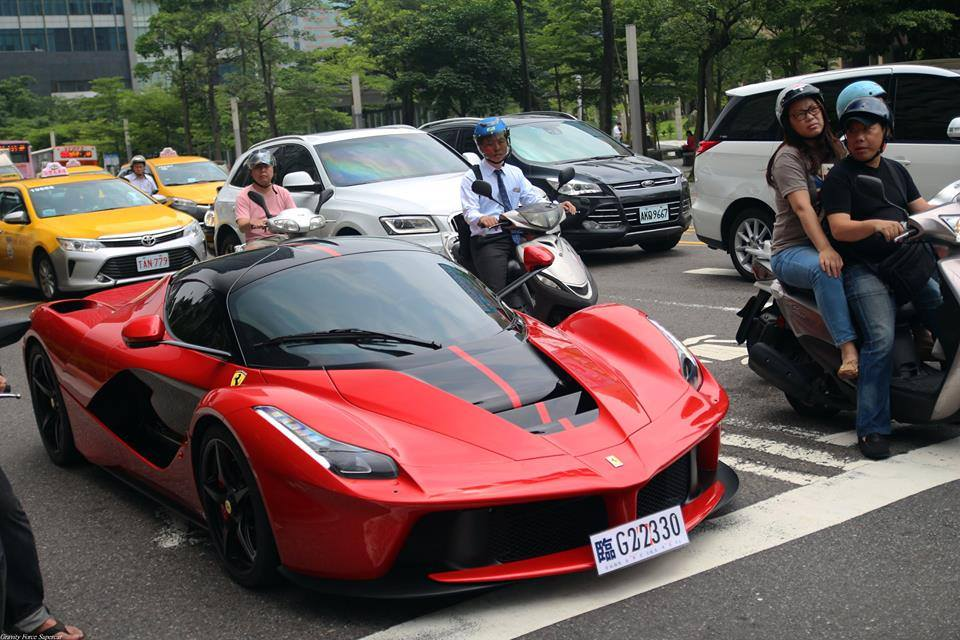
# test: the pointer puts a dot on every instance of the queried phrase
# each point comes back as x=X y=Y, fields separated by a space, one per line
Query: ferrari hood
x=505 y=395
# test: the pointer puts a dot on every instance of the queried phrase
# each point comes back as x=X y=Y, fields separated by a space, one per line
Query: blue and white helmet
x=491 y=126
x=859 y=89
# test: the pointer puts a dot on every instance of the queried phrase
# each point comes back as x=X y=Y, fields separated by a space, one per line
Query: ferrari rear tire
x=49 y=409
x=236 y=517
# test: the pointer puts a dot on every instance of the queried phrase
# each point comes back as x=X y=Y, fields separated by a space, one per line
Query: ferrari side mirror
x=146 y=331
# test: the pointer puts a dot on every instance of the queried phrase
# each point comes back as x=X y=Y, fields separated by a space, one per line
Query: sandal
x=57 y=629
x=849 y=370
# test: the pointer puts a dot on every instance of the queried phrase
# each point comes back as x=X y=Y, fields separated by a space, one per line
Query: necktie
x=505 y=202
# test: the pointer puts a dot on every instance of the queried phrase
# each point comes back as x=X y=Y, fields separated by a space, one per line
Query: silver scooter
x=789 y=345
x=556 y=291
x=289 y=224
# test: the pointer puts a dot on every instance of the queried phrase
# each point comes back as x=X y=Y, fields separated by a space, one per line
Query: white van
x=733 y=206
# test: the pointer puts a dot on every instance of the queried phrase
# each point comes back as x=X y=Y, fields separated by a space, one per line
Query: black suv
x=622 y=198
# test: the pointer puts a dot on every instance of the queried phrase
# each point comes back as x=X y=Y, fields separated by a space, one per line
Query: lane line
x=19 y=306
x=713 y=271
x=767 y=471
x=671 y=303
x=513 y=611
x=692 y=243
x=786 y=450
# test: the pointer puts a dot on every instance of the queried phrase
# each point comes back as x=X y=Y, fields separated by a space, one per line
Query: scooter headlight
x=283 y=225
x=689 y=365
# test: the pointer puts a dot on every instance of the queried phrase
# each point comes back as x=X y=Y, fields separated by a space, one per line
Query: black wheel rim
x=47 y=406
x=229 y=507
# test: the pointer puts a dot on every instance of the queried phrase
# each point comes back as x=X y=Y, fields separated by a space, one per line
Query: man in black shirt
x=864 y=226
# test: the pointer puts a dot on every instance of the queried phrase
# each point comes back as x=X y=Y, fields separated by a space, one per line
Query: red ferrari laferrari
x=364 y=415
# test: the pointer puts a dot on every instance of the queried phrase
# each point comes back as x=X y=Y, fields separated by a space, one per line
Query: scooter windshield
x=542 y=215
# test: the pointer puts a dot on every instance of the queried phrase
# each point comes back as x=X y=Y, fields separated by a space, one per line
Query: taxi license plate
x=639 y=540
x=153 y=262
x=654 y=213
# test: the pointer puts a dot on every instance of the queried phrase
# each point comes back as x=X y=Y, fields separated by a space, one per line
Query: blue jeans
x=875 y=310
x=799 y=266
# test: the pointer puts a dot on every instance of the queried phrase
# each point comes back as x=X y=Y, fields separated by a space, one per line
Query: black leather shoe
x=875 y=446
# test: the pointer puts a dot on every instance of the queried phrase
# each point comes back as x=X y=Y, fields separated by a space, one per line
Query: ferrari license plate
x=153 y=262
x=639 y=540
x=654 y=213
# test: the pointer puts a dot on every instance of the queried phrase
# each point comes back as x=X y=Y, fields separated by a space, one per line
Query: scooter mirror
x=536 y=257
x=566 y=175
x=482 y=188
x=257 y=198
x=872 y=186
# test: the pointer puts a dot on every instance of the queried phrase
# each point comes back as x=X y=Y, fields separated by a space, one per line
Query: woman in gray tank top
x=802 y=254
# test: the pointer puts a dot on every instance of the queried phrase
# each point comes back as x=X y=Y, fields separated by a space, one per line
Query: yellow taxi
x=189 y=183
x=74 y=232
x=9 y=172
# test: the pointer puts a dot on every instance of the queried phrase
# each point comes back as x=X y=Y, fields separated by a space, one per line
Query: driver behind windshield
x=490 y=246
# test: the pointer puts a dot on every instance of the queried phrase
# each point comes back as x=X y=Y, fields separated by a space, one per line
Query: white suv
x=733 y=206
x=394 y=180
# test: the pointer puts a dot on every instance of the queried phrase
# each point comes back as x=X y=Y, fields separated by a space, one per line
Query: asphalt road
x=816 y=544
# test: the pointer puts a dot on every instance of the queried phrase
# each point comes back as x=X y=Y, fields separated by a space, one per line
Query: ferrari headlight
x=689 y=366
x=343 y=459
x=80 y=244
x=403 y=225
x=575 y=187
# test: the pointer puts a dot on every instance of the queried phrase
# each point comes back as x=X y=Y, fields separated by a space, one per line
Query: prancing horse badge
x=614 y=461
x=238 y=378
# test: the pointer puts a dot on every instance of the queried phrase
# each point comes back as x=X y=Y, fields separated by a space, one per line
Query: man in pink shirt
x=251 y=218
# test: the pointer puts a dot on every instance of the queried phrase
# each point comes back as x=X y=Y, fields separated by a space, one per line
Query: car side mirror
x=16 y=217
x=471 y=157
x=146 y=331
x=300 y=182
x=162 y=199
x=482 y=188
x=953 y=129
x=566 y=175
x=325 y=195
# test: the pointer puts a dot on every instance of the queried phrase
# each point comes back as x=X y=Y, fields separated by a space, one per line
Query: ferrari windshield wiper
x=347 y=335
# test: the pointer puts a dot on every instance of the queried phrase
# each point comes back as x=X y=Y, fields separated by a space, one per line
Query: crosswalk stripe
x=784 y=450
x=756 y=468
x=843 y=438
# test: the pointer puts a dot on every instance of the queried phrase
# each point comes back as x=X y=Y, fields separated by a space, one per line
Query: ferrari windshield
x=69 y=198
x=172 y=175
x=387 y=157
x=562 y=141
x=361 y=308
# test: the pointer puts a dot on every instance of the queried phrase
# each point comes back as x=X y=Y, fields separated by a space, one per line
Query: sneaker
x=875 y=446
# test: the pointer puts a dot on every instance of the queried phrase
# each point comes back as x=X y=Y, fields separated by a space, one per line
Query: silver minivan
x=733 y=207
x=390 y=181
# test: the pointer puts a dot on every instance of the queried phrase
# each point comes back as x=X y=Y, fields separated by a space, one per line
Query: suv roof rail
x=457 y=119
x=557 y=114
x=396 y=126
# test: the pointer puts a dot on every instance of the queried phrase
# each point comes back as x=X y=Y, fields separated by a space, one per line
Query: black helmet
x=261 y=156
x=791 y=94
x=868 y=110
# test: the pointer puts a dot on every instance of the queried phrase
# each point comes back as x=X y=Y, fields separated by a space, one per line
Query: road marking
x=767 y=471
x=843 y=438
x=713 y=271
x=671 y=303
x=523 y=608
x=798 y=432
x=19 y=306
x=786 y=450
x=710 y=348
x=692 y=243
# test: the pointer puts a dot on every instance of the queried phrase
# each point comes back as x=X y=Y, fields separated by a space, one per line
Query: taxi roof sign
x=168 y=152
x=53 y=169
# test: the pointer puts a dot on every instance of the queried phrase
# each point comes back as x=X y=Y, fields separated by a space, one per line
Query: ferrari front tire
x=48 y=408
x=236 y=517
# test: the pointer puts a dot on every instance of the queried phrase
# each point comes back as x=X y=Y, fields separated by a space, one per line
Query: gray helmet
x=868 y=110
x=261 y=156
x=791 y=94
x=135 y=159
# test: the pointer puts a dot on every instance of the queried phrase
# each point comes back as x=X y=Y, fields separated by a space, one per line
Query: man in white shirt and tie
x=490 y=246
x=139 y=177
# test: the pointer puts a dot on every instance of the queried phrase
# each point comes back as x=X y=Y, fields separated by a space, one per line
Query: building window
x=58 y=39
x=118 y=9
x=8 y=7
x=122 y=36
x=63 y=86
x=79 y=8
x=31 y=8
x=106 y=39
x=10 y=40
x=55 y=7
x=82 y=39
x=103 y=7
x=33 y=40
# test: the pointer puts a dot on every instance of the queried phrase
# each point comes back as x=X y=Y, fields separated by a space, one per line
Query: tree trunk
x=408 y=109
x=265 y=76
x=212 y=110
x=524 y=73
x=556 y=80
x=606 y=72
x=703 y=60
x=184 y=101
